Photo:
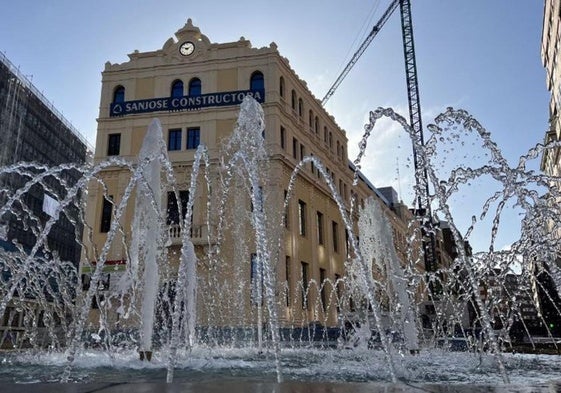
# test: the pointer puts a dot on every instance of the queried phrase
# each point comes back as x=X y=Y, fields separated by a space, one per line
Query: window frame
x=256 y=81
x=286 y=211
x=177 y=89
x=281 y=87
x=302 y=221
x=305 y=273
x=287 y=273
x=119 y=94
x=173 y=210
x=191 y=131
x=114 y=144
x=195 y=87
x=323 y=290
x=320 y=227
x=256 y=287
x=106 y=214
x=177 y=139
x=283 y=137
x=335 y=236
x=316 y=125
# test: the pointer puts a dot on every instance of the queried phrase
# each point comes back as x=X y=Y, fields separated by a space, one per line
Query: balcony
x=199 y=234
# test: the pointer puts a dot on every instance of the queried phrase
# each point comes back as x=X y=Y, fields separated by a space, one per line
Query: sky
x=479 y=55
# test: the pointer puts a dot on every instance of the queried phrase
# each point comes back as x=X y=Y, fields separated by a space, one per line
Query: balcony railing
x=199 y=234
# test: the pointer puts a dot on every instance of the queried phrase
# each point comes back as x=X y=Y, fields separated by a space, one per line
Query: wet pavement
x=287 y=387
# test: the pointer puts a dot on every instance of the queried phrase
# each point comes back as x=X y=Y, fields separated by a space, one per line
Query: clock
x=186 y=48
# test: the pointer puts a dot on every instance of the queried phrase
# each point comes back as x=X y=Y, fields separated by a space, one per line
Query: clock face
x=187 y=48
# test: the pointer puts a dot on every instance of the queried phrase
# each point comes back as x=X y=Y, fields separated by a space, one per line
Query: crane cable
x=361 y=49
x=360 y=35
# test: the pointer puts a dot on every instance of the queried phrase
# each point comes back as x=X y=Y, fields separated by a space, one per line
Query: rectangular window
x=104 y=282
x=259 y=197
x=335 y=233
x=295 y=148
x=106 y=212
x=86 y=280
x=323 y=291
x=193 y=138
x=286 y=211
x=305 y=283
x=302 y=218
x=320 y=227
x=283 y=137
x=256 y=286
x=114 y=145
x=302 y=151
x=287 y=274
x=173 y=207
x=174 y=139
x=339 y=290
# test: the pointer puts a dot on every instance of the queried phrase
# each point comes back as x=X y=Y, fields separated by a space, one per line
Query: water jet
x=182 y=327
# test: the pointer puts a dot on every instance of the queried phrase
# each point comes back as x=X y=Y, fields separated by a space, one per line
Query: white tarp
x=50 y=205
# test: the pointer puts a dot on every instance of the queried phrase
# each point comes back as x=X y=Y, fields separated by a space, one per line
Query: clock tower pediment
x=189 y=41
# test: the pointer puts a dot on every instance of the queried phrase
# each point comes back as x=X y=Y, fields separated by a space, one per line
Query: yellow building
x=195 y=88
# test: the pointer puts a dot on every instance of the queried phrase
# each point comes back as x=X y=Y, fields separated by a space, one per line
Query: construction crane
x=424 y=210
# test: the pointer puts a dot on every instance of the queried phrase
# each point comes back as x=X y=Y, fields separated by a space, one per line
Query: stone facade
x=194 y=86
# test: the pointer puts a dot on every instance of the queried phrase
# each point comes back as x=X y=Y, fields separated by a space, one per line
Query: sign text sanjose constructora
x=184 y=103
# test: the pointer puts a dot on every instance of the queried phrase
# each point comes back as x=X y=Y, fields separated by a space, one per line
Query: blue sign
x=184 y=103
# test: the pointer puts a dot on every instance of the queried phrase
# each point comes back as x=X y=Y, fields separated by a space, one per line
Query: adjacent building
x=33 y=131
x=547 y=298
x=551 y=59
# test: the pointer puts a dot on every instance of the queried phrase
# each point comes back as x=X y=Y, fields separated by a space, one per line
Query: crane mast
x=423 y=210
x=415 y=121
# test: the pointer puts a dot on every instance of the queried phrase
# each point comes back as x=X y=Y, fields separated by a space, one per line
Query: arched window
x=256 y=81
x=338 y=149
x=177 y=88
x=293 y=98
x=325 y=134
x=310 y=118
x=195 y=87
x=281 y=86
x=300 y=107
x=330 y=140
x=119 y=94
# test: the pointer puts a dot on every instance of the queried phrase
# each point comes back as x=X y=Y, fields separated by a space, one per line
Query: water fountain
x=59 y=345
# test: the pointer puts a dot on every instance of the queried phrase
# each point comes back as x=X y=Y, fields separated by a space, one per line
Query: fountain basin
x=303 y=367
